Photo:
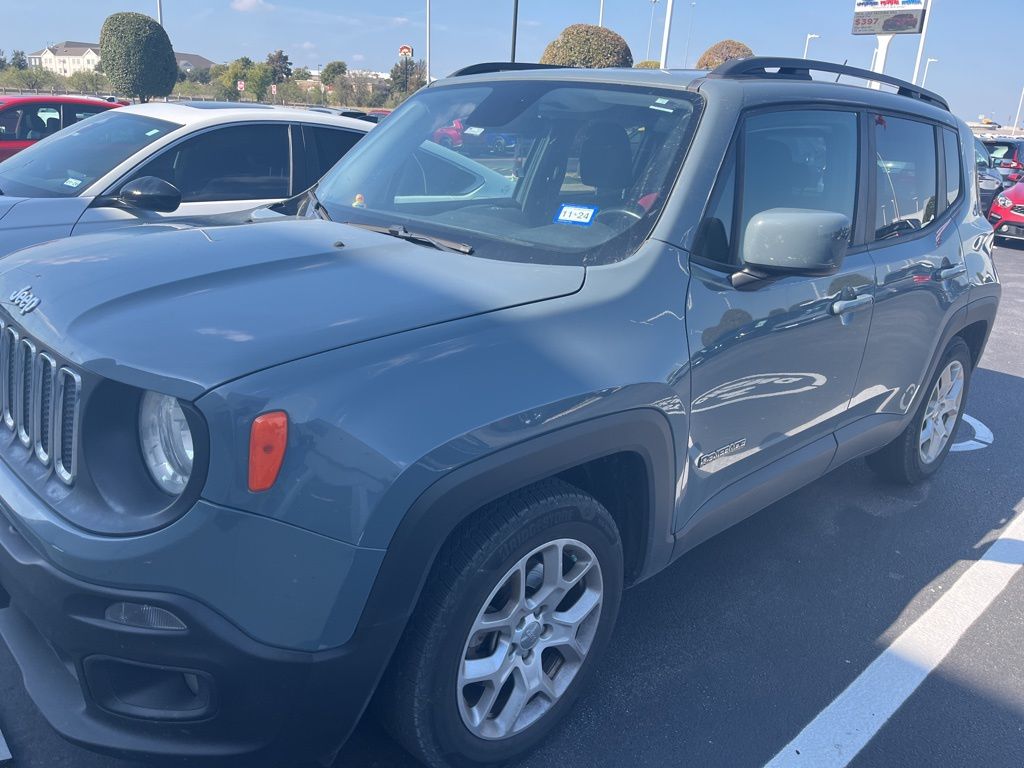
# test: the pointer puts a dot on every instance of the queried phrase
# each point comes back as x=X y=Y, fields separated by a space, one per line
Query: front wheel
x=516 y=612
x=922 y=447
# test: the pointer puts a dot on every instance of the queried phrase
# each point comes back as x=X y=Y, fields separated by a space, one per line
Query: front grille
x=40 y=402
x=1019 y=209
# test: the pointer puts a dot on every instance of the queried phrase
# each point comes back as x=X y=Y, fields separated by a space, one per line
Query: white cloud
x=399 y=21
x=358 y=57
x=307 y=46
x=246 y=6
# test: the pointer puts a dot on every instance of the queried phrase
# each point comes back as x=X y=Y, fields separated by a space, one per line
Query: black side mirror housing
x=150 y=193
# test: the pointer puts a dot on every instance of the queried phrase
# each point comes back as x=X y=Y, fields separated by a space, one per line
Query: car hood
x=1015 y=193
x=185 y=311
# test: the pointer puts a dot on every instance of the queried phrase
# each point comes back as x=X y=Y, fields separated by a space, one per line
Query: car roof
x=50 y=99
x=753 y=90
x=207 y=113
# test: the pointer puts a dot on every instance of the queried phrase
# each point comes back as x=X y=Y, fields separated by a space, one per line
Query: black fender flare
x=448 y=501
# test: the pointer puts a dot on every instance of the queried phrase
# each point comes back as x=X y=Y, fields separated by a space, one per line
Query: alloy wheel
x=530 y=639
x=940 y=415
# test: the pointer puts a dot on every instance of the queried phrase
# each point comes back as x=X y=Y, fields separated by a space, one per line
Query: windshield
x=68 y=162
x=555 y=172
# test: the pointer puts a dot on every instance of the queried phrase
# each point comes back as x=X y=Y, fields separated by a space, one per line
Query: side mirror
x=795 y=240
x=149 y=193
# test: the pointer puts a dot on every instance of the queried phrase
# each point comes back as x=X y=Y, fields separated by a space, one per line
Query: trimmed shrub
x=647 y=64
x=137 y=56
x=719 y=53
x=588 y=46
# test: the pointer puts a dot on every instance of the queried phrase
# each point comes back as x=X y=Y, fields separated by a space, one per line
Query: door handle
x=950 y=272
x=844 y=307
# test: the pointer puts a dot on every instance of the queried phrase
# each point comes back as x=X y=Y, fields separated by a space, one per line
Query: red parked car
x=450 y=136
x=1007 y=214
x=25 y=120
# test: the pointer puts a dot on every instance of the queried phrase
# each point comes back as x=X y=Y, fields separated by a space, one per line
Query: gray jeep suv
x=410 y=443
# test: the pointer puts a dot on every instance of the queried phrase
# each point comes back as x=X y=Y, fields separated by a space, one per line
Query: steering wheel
x=635 y=212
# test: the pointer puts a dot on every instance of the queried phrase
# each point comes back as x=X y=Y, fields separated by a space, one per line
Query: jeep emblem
x=25 y=300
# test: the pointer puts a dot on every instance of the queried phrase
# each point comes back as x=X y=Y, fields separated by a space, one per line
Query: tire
x=425 y=702
x=499 y=147
x=909 y=459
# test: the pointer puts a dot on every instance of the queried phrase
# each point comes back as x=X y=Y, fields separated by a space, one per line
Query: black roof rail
x=800 y=69
x=500 y=66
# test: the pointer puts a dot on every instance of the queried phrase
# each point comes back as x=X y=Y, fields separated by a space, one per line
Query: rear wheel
x=922 y=447
x=514 y=616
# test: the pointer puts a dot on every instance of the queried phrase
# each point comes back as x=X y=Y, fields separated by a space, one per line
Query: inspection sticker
x=73 y=183
x=580 y=215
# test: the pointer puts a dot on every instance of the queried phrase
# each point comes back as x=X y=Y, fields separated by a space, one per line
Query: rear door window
x=906 y=173
x=331 y=146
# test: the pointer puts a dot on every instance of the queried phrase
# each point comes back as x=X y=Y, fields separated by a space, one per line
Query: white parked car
x=156 y=162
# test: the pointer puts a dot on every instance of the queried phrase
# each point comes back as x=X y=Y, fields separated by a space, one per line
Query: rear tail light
x=268 y=439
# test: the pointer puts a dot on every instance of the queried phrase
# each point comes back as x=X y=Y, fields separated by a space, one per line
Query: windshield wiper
x=399 y=231
x=318 y=206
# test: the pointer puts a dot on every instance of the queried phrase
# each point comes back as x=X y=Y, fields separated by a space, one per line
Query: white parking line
x=842 y=729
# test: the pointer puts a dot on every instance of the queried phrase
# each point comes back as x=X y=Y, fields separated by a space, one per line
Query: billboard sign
x=889 y=17
x=405 y=51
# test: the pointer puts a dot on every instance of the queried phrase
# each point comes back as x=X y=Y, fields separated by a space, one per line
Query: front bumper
x=124 y=691
x=1011 y=226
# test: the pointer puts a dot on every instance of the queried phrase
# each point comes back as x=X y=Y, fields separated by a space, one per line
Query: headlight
x=1004 y=202
x=166 y=442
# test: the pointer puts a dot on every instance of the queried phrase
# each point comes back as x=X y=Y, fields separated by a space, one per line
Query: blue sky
x=367 y=33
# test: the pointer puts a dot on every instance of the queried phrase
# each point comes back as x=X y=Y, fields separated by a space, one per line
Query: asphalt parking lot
x=727 y=656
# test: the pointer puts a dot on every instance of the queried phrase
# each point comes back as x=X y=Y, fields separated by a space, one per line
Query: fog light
x=144 y=617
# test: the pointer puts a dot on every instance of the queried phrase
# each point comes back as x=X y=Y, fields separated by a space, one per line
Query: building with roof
x=69 y=57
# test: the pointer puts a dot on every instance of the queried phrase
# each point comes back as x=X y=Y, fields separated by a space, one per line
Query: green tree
x=137 y=56
x=228 y=77
x=3 y=60
x=258 y=80
x=407 y=77
x=196 y=75
x=87 y=82
x=280 y=65
x=584 y=45
x=332 y=71
x=19 y=60
x=302 y=73
x=647 y=64
x=36 y=79
x=723 y=51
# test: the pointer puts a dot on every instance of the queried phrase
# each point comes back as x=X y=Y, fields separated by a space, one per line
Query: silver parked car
x=155 y=162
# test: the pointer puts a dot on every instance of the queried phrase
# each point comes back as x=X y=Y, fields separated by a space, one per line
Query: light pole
x=927 y=65
x=807 y=43
x=600 y=15
x=650 y=32
x=689 y=34
x=426 y=61
x=1016 y=120
x=667 y=32
x=924 y=38
x=160 y=12
x=515 y=26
